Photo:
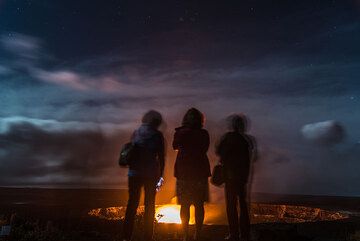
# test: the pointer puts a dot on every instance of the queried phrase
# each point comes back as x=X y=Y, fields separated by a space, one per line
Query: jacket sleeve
x=254 y=154
x=161 y=154
x=206 y=143
x=177 y=141
x=220 y=148
x=132 y=137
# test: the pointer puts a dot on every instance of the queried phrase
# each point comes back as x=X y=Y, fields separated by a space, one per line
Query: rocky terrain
x=47 y=214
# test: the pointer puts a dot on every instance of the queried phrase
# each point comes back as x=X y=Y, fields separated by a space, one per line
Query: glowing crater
x=215 y=214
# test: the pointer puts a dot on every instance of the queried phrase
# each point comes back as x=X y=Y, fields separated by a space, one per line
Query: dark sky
x=76 y=76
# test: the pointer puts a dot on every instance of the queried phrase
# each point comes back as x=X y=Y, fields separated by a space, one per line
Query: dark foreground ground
x=62 y=214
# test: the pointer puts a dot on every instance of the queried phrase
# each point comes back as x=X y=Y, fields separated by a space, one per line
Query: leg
x=199 y=219
x=231 y=210
x=133 y=203
x=150 y=192
x=244 y=214
x=185 y=218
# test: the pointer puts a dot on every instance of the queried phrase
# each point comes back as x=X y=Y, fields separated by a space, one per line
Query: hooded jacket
x=150 y=149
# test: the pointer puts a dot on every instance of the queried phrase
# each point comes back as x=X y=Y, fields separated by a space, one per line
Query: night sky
x=76 y=77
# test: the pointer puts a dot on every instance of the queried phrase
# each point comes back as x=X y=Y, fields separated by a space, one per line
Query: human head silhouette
x=237 y=123
x=152 y=118
x=193 y=119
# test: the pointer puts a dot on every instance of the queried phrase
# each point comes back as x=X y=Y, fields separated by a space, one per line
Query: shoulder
x=135 y=135
x=251 y=140
x=235 y=137
x=136 y=131
x=179 y=134
x=204 y=133
x=228 y=136
x=158 y=134
x=179 y=131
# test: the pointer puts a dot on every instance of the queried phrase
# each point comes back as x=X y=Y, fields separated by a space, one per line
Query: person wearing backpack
x=145 y=171
x=236 y=149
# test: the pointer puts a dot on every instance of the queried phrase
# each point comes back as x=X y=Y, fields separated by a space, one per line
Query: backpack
x=127 y=154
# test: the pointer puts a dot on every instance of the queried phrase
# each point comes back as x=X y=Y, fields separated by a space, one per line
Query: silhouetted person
x=192 y=168
x=236 y=150
x=145 y=171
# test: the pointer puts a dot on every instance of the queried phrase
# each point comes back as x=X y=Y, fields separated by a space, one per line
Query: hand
x=159 y=184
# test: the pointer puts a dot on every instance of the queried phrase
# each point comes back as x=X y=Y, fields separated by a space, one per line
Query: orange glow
x=169 y=213
x=216 y=214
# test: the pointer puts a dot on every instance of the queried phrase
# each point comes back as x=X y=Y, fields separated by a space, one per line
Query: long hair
x=193 y=119
x=152 y=118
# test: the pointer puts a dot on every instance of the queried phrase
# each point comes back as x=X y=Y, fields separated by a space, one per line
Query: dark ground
x=61 y=214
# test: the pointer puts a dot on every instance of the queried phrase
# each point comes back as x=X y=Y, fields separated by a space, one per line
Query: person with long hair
x=192 y=169
x=145 y=171
x=236 y=150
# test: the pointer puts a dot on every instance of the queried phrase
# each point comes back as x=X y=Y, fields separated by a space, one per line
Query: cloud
x=149 y=84
x=21 y=45
x=55 y=126
x=27 y=57
x=326 y=132
x=84 y=82
x=82 y=111
x=4 y=70
x=45 y=152
x=271 y=75
x=62 y=77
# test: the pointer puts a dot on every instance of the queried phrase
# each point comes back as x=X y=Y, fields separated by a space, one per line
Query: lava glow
x=216 y=214
x=168 y=214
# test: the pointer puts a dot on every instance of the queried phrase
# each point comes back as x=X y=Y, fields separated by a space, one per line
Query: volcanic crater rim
x=215 y=213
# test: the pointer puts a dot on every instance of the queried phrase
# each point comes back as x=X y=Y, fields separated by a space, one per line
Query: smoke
x=93 y=111
x=37 y=152
x=327 y=132
x=22 y=45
